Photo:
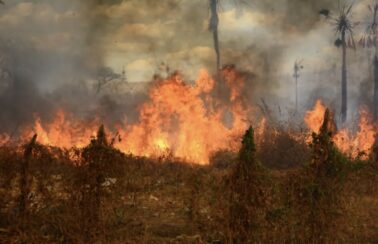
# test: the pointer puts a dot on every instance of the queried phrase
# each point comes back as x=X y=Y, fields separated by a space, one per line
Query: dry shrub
x=316 y=193
x=223 y=159
x=67 y=197
x=28 y=198
x=374 y=155
x=279 y=149
x=248 y=198
x=100 y=163
x=8 y=171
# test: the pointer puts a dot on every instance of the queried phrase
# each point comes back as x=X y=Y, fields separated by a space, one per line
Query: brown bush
x=248 y=201
x=68 y=197
x=316 y=192
x=279 y=149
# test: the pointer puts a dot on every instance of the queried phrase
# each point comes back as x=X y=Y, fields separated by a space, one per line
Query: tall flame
x=188 y=121
x=182 y=119
x=179 y=119
x=64 y=131
x=360 y=142
x=314 y=118
x=346 y=141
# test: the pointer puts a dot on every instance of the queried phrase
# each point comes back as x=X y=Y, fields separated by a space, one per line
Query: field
x=99 y=195
x=217 y=121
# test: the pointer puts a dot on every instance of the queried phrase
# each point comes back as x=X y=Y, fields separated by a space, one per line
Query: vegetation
x=344 y=30
x=248 y=196
x=323 y=186
x=369 y=40
x=213 y=27
x=99 y=195
x=214 y=6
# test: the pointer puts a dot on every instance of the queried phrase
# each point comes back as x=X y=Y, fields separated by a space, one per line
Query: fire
x=314 y=118
x=346 y=141
x=362 y=141
x=188 y=121
x=183 y=119
x=4 y=138
x=64 y=131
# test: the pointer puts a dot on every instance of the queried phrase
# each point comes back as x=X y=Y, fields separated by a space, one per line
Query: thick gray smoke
x=51 y=56
x=53 y=53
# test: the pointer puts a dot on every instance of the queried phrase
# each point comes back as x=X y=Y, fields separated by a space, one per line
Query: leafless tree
x=105 y=75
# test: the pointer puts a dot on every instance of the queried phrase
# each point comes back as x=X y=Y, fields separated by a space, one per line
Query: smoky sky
x=51 y=51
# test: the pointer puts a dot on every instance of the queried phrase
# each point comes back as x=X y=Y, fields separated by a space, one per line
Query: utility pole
x=297 y=68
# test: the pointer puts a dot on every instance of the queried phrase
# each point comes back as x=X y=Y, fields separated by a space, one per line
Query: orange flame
x=64 y=131
x=180 y=118
x=314 y=118
x=362 y=141
x=4 y=138
x=352 y=144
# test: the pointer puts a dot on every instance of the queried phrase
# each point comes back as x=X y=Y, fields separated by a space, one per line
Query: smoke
x=295 y=16
x=51 y=52
x=50 y=61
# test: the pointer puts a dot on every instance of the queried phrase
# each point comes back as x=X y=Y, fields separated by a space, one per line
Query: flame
x=346 y=141
x=188 y=121
x=182 y=118
x=64 y=131
x=314 y=118
x=362 y=141
x=4 y=138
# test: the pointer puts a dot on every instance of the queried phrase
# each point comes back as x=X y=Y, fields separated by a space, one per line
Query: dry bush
x=8 y=171
x=281 y=148
x=223 y=159
x=97 y=194
x=29 y=195
x=374 y=156
x=100 y=166
x=248 y=198
x=316 y=193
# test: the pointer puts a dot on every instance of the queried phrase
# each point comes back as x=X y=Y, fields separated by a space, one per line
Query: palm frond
x=369 y=39
x=245 y=3
x=342 y=24
x=349 y=9
x=370 y=8
x=352 y=41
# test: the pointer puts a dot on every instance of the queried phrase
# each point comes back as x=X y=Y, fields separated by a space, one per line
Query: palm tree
x=214 y=6
x=213 y=27
x=344 y=31
x=369 y=40
x=297 y=68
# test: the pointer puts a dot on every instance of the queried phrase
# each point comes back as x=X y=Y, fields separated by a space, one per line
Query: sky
x=62 y=41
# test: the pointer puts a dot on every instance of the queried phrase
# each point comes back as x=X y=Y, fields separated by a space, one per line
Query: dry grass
x=140 y=200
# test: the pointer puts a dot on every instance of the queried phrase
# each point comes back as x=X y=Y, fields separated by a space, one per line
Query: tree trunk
x=344 y=81
x=296 y=93
x=216 y=47
x=24 y=181
x=376 y=83
x=213 y=27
